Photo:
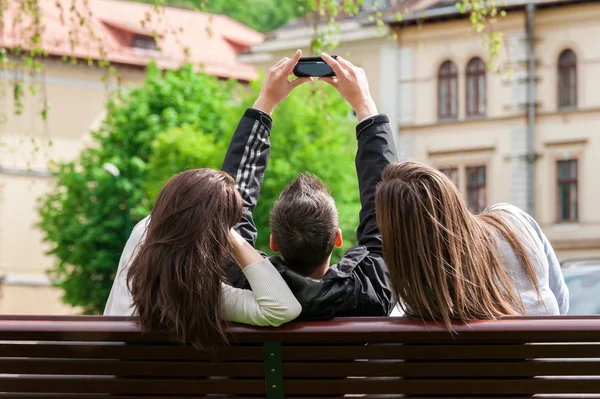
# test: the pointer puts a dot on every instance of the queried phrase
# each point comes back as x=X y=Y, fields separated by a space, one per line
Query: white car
x=582 y=276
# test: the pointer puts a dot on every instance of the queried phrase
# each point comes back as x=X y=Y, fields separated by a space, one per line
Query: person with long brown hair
x=446 y=263
x=175 y=276
x=172 y=270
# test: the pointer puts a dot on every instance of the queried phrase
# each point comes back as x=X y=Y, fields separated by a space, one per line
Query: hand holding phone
x=313 y=67
x=351 y=82
x=277 y=86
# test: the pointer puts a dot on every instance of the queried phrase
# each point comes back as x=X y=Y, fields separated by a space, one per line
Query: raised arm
x=248 y=153
x=246 y=161
x=376 y=147
x=376 y=150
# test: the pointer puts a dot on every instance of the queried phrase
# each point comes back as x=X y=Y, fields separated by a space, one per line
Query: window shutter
x=518 y=90
x=517 y=48
x=404 y=147
x=406 y=62
x=518 y=166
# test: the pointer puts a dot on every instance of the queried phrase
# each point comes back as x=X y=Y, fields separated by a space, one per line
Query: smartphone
x=313 y=66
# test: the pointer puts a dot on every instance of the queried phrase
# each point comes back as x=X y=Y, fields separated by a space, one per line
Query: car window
x=584 y=286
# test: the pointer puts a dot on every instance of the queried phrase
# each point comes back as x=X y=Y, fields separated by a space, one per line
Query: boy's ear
x=338 y=239
x=272 y=244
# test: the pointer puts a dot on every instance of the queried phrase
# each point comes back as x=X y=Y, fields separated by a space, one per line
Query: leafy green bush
x=89 y=213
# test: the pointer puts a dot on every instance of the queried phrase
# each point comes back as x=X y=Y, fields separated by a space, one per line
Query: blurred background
x=103 y=100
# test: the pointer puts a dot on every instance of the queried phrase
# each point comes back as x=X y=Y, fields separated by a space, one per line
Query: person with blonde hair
x=446 y=263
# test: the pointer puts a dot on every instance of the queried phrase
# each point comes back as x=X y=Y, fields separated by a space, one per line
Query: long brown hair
x=442 y=259
x=176 y=277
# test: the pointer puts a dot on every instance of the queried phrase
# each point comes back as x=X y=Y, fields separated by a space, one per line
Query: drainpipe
x=531 y=105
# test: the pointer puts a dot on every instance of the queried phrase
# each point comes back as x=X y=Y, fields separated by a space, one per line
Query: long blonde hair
x=443 y=260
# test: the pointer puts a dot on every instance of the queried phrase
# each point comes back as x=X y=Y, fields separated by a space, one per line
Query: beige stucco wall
x=487 y=141
x=570 y=134
x=77 y=97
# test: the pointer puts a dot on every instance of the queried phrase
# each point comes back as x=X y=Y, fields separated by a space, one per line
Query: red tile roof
x=214 y=41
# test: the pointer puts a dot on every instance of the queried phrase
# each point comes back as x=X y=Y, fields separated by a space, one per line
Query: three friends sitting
x=192 y=262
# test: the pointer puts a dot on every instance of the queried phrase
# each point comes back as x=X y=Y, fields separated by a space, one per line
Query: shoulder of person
x=139 y=229
x=518 y=218
x=514 y=212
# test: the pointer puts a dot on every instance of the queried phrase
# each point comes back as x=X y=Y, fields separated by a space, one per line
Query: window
x=476 y=184
x=447 y=91
x=144 y=42
x=568 y=207
x=567 y=79
x=372 y=5
x=452 y=174
x=476 y=94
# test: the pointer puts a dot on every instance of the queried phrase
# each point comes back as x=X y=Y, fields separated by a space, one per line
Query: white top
x=554 y=293
x=270 y=303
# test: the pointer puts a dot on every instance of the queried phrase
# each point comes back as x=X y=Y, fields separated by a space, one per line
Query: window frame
x=476 y=73
x=477 y=186
x=138 y=39
x=567 y=76
x=449 y=109
x=453 y=173
x=572 y=183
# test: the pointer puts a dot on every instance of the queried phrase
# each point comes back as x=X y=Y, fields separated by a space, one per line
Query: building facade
x=528 y=135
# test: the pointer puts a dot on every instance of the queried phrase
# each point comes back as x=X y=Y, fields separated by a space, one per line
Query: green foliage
x=182 y=148
x=483 y=16
x=88 y=215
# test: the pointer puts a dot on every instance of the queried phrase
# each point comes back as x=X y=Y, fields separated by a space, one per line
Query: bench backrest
x=82 y=357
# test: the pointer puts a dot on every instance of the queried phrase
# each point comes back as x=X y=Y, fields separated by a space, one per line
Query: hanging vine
x=484 y=16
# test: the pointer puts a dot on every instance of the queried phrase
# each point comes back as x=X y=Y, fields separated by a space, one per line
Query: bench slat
x=131 y=368
x=443 y=387
x=300 y=369
x=440 y=369
x=95 y=396
x=301 y=387
x=355 y=330
x=128 y=352
x=440 y=352
x=299 y=353
x=142 y=386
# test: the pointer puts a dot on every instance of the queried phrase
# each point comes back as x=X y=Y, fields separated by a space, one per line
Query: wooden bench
x=91 y=357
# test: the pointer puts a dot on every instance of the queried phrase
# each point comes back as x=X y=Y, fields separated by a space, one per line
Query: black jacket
x=358 y=285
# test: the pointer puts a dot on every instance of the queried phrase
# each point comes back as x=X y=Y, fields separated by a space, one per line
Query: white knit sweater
x=270 y=303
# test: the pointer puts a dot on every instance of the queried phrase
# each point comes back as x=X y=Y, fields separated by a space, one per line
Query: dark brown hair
x=304 y=224
x=442 y=259
x=176 y=277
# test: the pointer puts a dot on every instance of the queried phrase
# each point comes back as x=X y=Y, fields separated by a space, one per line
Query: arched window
x=476 y=94
x=447 y=91
x=567 y=79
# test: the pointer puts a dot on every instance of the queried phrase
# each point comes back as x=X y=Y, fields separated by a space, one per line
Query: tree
x=261 y=15
x=88 y=214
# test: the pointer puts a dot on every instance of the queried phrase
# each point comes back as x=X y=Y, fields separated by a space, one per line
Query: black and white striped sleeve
x=246 y=161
